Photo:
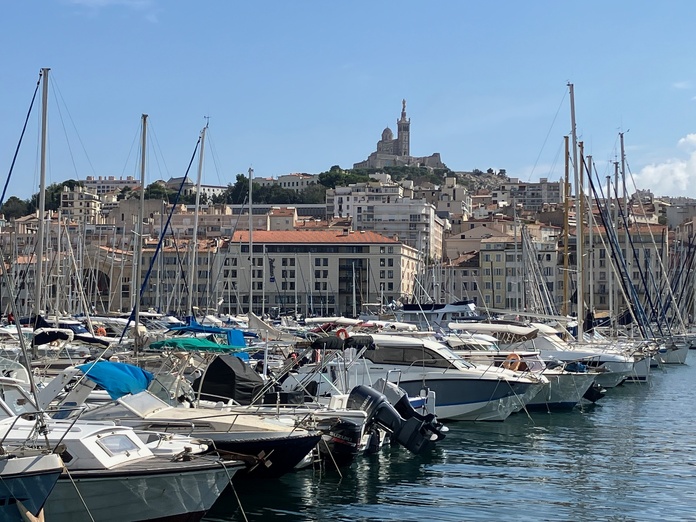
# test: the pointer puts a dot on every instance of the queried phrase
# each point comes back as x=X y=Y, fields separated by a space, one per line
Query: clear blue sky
x=299 y=86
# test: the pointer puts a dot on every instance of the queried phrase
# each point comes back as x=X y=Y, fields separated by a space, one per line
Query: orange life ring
x=342 y=333
x=512 y=362
x=101 y=331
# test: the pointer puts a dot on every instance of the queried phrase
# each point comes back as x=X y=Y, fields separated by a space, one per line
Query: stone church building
x=397 y=151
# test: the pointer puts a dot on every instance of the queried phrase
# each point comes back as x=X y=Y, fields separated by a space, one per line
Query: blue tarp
x=118 y=379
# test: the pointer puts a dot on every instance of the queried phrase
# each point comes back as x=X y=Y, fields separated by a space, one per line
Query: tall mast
x=615 y=220
x=627 y=227
x=610 y=272
x=193 y=287
x=590 y=224
x=38 y=276
x=251 y=243
x=566 y=220
x=139 y=237
x=578 y=216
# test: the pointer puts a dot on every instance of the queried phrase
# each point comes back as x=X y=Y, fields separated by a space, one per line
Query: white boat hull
x=29 y=480
x=563 y=391
x=673 y=354
x=129 y=497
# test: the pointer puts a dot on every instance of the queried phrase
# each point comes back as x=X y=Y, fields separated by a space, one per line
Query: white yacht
x=463 y=390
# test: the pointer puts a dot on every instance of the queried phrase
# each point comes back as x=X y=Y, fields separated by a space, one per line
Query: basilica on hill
x=397 y=151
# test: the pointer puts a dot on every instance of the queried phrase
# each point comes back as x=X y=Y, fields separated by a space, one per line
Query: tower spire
x=403 y=109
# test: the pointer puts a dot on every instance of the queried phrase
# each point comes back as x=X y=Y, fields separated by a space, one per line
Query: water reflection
x=629 y=458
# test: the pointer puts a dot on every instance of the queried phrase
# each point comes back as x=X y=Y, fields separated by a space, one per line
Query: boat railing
x=389 y=372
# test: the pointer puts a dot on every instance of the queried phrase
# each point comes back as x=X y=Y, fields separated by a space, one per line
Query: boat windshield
x=409 y=356
x=16 y=400
x=143 y=403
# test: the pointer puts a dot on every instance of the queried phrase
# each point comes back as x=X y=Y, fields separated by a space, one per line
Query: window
x=117 y=444
x=390 y=274
x=406 y=356
x=317 y=262
x=317 y=274
x=390 y=261
x=381 y=274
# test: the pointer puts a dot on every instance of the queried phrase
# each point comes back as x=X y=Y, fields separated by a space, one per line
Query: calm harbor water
x=630 y=457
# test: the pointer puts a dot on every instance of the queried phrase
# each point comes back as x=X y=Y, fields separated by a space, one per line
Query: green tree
x=158 y=191
x=53 y=192
x=314 y=194
x=14 y=208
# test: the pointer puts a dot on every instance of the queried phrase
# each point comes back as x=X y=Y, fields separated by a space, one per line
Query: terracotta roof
x=311 y=236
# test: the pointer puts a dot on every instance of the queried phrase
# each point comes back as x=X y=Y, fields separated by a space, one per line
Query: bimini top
x=197 y=344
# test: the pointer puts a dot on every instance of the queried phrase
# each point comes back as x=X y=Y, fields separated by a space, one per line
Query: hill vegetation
x=238 y=193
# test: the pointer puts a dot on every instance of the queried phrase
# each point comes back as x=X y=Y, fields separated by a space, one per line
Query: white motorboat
x=612 y=367
x=463 y=390
x=564 y=389
x=113 y=473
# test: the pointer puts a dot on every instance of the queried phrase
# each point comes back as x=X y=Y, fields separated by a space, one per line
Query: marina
x=629 y=458
x=274 y=296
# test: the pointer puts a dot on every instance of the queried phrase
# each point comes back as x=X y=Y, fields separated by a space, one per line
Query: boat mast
x=578 y=216
x=627 y=218
x=610 y=274
x=251 y=243
x=38 y=276
x=566 y=220
x=590 y=224
x=139 y=237
x=194 y=240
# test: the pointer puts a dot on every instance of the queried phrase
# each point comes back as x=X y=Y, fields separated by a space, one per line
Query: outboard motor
x=342 y=440
x=595 y=392
x=415 y=432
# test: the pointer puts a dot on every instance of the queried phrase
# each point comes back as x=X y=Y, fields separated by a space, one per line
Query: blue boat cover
x=118 y=379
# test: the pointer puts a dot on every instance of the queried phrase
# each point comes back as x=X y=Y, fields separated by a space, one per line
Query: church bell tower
x=403 y=137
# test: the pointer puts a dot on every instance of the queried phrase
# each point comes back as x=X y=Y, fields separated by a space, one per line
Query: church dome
x=387 y=134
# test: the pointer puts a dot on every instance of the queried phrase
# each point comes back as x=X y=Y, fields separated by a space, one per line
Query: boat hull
x=277 y=456
x=29 y=480
x=166 y=493
x=563 y=391
x=474 y=399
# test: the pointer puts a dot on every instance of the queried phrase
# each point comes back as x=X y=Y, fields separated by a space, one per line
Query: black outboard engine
x=342 y=442
x=595 y=392
x=415 y=432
